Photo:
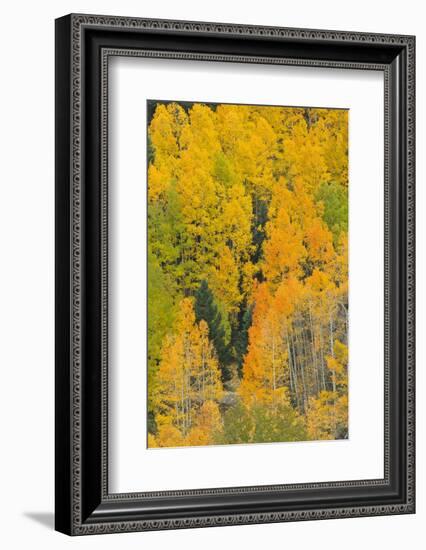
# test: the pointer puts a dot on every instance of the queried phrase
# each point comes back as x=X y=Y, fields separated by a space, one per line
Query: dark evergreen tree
x=258 y=226
x=206 y=308
x=240 y=336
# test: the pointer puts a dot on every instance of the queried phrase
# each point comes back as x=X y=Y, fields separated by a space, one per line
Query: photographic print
x=247 y=274
x=204 y=197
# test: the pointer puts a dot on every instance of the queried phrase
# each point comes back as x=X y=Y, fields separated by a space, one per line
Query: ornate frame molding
x=72 y=47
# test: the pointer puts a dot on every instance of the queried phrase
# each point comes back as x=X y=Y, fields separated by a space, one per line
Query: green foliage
x=207 y=309
x=161 y=313
x=150 y=151
x=165 y=226
x=237 y=425
x=152 y=424
x=335 y=200
x=278 y=423
x=223 y=171
x=262 y=424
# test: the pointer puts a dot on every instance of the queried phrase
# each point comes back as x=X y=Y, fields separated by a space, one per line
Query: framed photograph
x=234 y=274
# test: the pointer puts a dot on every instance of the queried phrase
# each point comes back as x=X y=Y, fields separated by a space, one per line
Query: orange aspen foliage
x=265 y=369
x=283 y=250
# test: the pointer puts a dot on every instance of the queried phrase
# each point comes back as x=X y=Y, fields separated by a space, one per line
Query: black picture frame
x=83 y=46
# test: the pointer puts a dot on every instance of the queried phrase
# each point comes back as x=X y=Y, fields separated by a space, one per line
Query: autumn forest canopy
x=247 y=274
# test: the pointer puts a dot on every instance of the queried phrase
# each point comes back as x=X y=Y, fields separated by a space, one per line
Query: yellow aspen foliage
x=339 y=268
x=224 y=280
x=152 y=441
x=321 y=296
x=235 y=220
x=303 y=156
x=207 y=427
x=163 y=134
x=187 y=377
x=201 y=135
x=234 y=126
x=165 y=128
x=319 y=282
x=256 y=151
x=333 y=127
x=159 y=180
x=338 y=365
x=327 y=417
x=248 y=280
x=168 y=436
